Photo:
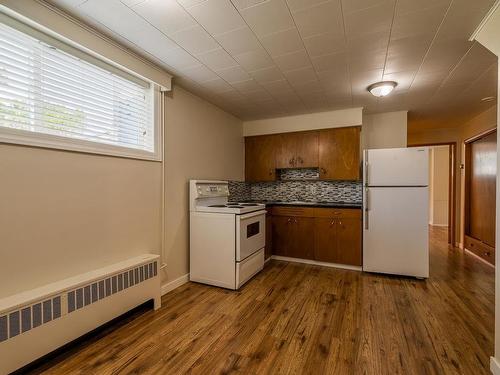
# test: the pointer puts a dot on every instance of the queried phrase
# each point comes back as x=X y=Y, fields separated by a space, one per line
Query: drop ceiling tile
x=234 y=74
x=362 y=80
x=408 y=6
x=267 y=75
x=218 y=85
x=320 y=19
x=371 y=20
x=195 y=40
x=166 y=15
x=242 y=4
x=258 y=95
x=239 y=41
x=291 y=61
x=254 y=60
x=217 y=59
x=300 y=76
x=365 y=60
x=283 y=42
x=189 y=3
x=217 y=16
x=324 y=44
x=350 y=6
x=422 y=22
x=296 y=5
x=403 y=79
x=180 y=59
x=375 y=41
x=246 y=86
x=332 y=61
x=129 y=3
x=200 y=74
x=268 y=17
x=279 y=88
x=308 y=88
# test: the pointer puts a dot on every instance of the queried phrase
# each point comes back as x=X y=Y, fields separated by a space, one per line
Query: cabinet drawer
x=480 y=249
x=345 y=213
x=292 y=211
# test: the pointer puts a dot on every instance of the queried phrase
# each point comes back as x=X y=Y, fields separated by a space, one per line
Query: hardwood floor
x=302 y=319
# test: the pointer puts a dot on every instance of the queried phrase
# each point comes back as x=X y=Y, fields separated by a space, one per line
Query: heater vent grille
x=27 y=318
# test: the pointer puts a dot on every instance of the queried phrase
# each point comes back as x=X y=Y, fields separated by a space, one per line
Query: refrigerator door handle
x=366 y=167
x=367 y=209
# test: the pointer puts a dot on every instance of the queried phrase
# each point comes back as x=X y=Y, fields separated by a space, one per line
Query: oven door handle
x=252 y=214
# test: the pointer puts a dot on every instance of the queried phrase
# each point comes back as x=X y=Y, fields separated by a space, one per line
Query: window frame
x=50 y=141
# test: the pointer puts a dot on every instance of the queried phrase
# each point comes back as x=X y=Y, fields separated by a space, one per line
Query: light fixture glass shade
x=381 y=89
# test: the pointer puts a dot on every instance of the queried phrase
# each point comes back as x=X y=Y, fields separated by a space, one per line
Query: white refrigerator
x=396 y=211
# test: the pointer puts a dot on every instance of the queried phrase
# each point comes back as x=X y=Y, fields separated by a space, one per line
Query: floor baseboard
x=171 y=285
x=494 y=366
x=316 y=263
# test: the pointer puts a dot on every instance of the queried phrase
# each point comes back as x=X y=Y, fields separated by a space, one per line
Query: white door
x=396 y=234
x=397 y=167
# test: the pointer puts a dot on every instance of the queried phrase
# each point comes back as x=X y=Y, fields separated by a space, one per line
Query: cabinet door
x=339 y=154
x=286 y=145
x=348 y=241
x=307 y=149
x=325 y=245
x=269 y=236
x=282 y=233
x=260 y=162
x=302 y=238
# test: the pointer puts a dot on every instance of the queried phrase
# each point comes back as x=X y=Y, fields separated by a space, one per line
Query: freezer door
x=396 y=233
x=396 y=167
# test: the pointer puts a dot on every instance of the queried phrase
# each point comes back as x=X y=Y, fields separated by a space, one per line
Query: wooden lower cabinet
x=325 y=235
x=293 y=236
x=269 y=236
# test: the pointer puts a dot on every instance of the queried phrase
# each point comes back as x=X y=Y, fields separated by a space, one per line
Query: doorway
x=449 y=151
x=480 y=195
x=439 y=186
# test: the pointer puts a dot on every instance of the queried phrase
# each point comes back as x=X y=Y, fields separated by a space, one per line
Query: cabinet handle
x=289 y=220
x=340 y=222
x=292 y=161
x=295 y=221
x=487 y=253
x=333 y=222
x=271 y=172
x=301 y=161
x=323 y=170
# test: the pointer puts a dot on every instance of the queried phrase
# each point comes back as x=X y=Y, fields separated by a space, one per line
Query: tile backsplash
x=297 y=184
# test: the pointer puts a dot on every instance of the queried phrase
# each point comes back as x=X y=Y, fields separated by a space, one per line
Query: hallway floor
x=302 y=319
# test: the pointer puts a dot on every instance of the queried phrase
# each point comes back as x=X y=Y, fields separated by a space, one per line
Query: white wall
x=320 y=120
x=385 y=130
x=438 y=185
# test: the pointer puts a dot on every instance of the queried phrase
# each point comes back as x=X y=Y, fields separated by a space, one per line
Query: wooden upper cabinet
x=260 y=158
x=297 y=150
x=285 y=150
x=339 y=154
x=307 y=149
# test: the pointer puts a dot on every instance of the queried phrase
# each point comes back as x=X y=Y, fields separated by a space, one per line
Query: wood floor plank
x=303 y=319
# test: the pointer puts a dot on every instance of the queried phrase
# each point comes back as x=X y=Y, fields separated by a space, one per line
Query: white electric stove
x=226 y=239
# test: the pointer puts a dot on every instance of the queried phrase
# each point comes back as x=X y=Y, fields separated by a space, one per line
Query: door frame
x=467 y=144
x=452 y=185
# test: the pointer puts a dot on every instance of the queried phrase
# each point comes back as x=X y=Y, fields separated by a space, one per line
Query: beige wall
x=320 y=120
x=385 y=130
x=201 y=142
x=64 y=213
x=438 y=185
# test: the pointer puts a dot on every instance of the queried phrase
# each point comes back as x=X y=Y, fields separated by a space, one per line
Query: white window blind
x=45 y=90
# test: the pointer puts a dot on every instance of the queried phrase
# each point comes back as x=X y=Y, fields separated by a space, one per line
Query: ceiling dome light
x=381 y=89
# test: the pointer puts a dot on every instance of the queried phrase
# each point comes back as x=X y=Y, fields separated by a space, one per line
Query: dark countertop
x=311 y=204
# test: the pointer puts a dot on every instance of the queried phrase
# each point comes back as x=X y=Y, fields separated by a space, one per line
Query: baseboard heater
x=36 y=322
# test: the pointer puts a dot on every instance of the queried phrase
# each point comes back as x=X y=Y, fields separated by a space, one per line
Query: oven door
x=250 y=234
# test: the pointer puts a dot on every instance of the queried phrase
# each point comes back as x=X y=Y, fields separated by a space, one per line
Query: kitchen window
x=57 y=96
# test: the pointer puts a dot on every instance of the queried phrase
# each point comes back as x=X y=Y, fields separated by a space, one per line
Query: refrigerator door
x=396 y=167
x=395 y=234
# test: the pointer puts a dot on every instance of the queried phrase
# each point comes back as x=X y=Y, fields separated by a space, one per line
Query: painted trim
x=316 y=263
x=268 y=259
x=494 y=366
x=485 y=20
x=459 y=245
x=171 y=285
